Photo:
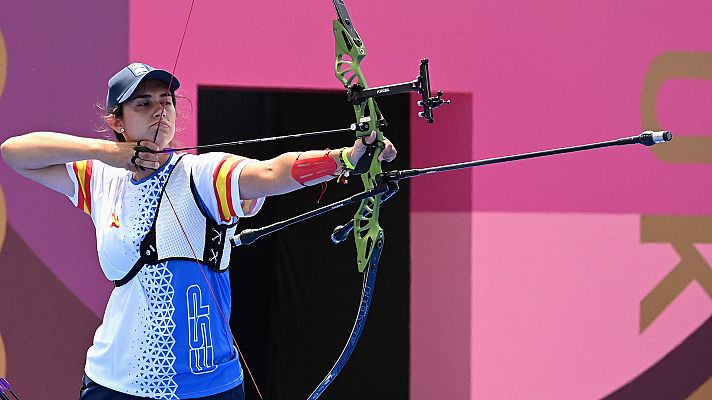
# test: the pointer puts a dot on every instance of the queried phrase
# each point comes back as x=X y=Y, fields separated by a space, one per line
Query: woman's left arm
x=275 y=176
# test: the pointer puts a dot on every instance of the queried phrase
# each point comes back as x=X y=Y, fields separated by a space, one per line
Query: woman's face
x=149 y=110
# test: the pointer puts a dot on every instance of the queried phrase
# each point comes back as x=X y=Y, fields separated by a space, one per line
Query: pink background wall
x=550 y=266
x=528 y=279
x=52 y=292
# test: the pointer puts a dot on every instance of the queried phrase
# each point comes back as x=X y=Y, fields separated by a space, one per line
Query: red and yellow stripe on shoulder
x=83 y=171
x=222 y=184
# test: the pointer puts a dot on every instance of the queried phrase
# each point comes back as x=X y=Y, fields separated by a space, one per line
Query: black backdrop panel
x=295 y=295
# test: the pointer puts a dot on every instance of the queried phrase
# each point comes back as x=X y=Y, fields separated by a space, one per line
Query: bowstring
x=175 y=65
x=212 y=293
x=185 y=234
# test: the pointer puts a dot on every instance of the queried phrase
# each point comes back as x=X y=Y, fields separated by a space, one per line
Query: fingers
x=146 y=146
x=389 y=152
x=145 y=155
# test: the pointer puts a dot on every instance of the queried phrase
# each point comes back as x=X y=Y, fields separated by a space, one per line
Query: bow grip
x=364 y=163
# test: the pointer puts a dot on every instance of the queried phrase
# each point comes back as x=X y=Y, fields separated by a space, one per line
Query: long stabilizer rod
x=388 y=183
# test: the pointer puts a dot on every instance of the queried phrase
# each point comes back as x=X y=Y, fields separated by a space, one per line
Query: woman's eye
x=142 y=104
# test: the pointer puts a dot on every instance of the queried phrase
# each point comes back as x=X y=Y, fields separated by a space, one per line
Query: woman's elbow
x=8 y=150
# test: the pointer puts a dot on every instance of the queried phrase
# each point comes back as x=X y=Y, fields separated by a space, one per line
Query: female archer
x=163 y=223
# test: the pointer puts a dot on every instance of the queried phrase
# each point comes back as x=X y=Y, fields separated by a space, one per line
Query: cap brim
x=159 y=74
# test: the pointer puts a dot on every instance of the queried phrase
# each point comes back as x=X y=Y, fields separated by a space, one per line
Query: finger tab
x=142 y=149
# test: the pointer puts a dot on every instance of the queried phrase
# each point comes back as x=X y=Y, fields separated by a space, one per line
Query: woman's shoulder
x=97 y=168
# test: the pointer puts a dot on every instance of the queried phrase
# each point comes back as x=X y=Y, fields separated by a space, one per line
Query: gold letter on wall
x=3 y=74
x=681 y=231
x=3 y=358
x=695 y=148
x=3 y=215
x=3 y=64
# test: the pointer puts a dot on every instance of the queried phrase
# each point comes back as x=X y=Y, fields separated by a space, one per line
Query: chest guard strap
x=194 y=235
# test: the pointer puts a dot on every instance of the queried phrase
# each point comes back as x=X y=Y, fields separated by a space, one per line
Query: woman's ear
x=115 y=123
x=117 y=126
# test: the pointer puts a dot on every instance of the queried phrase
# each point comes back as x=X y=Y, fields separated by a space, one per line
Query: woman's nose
x=160 y=111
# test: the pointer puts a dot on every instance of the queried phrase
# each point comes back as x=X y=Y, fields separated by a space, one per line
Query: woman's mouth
x=162 y=124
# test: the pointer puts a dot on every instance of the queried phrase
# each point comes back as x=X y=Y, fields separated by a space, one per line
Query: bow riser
x=368 y=233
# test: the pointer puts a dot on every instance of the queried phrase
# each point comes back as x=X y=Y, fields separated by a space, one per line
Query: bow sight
x=346 y=34
x=357 y=94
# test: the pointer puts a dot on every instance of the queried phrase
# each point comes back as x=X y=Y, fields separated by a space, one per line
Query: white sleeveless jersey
x=162 y=335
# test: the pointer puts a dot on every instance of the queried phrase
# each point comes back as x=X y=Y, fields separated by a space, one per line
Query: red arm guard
x=308 y=170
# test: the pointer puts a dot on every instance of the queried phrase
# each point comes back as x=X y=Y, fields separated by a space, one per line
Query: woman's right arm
x=41 y=156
